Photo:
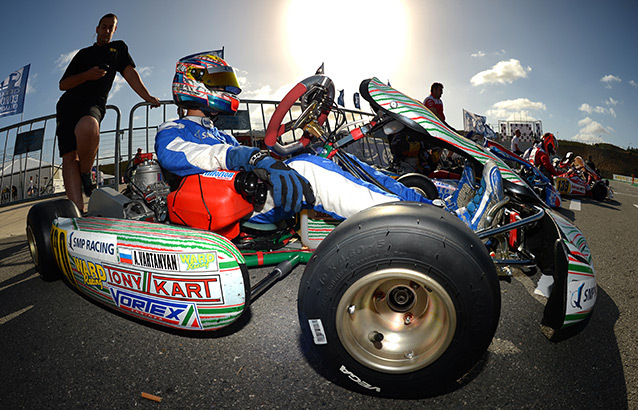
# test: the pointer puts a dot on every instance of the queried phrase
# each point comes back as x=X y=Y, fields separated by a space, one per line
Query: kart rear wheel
x=399 y=301
x=599 y=191
x=39 y=220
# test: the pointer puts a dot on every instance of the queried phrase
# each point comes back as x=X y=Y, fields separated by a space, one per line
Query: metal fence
x=37 y=173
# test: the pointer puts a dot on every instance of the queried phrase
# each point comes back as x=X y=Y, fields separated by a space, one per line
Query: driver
x=538 y=155
x=205 y=85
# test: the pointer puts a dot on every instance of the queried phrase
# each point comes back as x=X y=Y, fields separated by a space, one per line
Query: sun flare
x=355 y=39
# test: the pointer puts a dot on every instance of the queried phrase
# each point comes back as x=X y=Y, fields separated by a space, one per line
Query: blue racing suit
x=193 y=145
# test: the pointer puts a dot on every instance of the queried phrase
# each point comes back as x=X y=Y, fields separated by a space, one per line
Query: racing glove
x=289 y=188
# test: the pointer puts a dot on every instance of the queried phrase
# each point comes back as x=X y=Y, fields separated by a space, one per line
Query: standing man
x=86 y=84
x=433 y=101
x=515 y=144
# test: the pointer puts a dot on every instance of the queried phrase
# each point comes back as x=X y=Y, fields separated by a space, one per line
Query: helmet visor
x=221 y=78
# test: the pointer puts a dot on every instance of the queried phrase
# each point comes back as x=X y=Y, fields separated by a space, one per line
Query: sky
x=571 y=64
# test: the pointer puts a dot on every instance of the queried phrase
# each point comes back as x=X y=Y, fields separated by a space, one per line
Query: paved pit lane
x=60 y=350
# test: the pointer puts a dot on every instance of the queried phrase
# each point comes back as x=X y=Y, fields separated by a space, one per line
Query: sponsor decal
x=172 y=262
x=207 y=289
x=200 y=261
x=97 y=246
x=171 y=312
x=202 y=290
x=221 y=175
x=583 y=297
x=358 y=380
x=92 y=273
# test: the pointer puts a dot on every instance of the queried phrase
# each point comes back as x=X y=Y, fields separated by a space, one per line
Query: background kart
x=579 y=179
x=542 y=185
x=398 y=300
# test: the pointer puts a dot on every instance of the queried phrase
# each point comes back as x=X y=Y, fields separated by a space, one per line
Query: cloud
x=33 y=78
x=478 y=54
x=586 y=108
x=503 y=72
x=518 y=109
x=609 y=79
x=611 y=101
x=63 y=61
x=633 y=83
x=591 y=131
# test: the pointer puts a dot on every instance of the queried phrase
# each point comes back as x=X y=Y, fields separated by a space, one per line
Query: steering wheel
x=316 y=94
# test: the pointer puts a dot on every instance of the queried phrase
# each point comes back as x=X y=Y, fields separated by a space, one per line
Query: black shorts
x=67 y=116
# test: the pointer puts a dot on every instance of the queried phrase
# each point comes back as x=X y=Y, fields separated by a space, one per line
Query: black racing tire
x=399 y=301
x=599 y=191
x=39 y=221
x=420 y=183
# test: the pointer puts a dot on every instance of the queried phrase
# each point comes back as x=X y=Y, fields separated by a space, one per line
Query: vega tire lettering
x=358 y=380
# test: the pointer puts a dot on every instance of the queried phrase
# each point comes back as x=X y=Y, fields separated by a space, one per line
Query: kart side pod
x=168 y=275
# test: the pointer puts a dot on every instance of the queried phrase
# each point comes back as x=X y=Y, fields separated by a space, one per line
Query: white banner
x=478 y=124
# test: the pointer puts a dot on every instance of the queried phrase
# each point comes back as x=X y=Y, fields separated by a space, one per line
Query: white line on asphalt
x=636 y=205
x=20 y=281
x=13 y=315
x=574 y=205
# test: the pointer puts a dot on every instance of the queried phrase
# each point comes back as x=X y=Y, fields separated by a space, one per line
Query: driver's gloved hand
x=289 y=187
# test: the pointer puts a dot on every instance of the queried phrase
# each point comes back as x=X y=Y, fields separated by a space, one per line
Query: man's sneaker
x=475 y=213
x=466 y=190
x=87 y=183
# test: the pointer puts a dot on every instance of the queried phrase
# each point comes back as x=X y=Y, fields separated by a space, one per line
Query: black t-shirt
x=114 y=54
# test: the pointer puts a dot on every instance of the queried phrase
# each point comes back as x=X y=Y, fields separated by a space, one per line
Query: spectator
x=515 y=144
x=433 y=101
x=86 y=84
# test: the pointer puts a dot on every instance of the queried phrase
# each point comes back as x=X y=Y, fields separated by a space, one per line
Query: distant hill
x=609 y=159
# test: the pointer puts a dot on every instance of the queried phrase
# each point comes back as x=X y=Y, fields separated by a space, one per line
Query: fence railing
x=37 y=173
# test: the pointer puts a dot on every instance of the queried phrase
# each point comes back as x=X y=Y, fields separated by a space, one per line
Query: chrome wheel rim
x=396 y=320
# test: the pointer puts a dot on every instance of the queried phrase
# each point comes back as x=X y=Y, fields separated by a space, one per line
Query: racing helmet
x=204 y=81
x=550 y=143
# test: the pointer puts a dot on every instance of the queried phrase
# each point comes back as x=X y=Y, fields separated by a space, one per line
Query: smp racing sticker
x=95 y=246
x=582 y=295
x=172 y=313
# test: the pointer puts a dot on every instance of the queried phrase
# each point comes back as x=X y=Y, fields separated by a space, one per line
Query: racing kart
x=399 y=300
x=579 y=179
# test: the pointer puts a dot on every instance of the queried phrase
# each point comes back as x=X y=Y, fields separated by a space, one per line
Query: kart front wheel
x=399 y=301
x=39 y=221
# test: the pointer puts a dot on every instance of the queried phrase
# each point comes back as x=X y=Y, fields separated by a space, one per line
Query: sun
x=355 y=39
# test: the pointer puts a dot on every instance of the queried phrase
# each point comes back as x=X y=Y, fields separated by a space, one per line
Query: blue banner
x=357 y=100
x=12 y=91
x=340 y=99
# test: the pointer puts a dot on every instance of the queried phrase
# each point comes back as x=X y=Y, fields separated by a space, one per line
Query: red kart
x=579 y=179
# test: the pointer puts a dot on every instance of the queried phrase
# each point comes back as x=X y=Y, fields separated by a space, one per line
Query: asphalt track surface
x=60 y=350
